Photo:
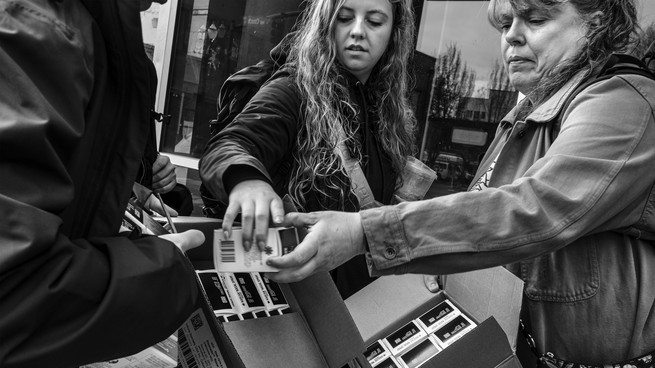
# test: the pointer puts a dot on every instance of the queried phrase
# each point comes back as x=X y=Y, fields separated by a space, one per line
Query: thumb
x=186 y=240
x=299 y=219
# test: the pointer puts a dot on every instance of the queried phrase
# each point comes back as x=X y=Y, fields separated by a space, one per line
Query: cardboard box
x=324 y=331
x=491 y=297
x=318 y=332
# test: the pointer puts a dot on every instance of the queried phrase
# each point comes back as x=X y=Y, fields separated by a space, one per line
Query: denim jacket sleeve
x=596 y=176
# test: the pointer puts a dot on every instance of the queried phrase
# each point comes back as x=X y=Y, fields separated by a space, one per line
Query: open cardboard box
x=491 y=297
x=325 y=331
x=318 y=333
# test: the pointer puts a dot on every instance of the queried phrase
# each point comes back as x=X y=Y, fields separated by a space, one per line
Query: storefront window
x=215 y=38
x=461 y=89
x=469 y=91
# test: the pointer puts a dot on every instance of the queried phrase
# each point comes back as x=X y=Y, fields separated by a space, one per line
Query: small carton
x=404 y=338
x=453 y=330
x=270 y=293
x=230 y=255
x=243 y=291
x=219 y=298
x=438 y=316
x=420 y=354
x=376 y=353
x=389 y=362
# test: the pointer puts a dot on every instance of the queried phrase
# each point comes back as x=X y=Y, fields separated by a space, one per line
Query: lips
x=355 y=48
x=517 y=59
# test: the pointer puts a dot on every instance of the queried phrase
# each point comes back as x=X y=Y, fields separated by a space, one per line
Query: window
x=469 y=92
x=215 y=38
x=196 y=44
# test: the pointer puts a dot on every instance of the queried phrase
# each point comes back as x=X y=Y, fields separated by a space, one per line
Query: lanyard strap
x=358 y=180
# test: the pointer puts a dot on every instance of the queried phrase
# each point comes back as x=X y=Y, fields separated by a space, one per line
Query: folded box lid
x=489 y=292
x=483 y=293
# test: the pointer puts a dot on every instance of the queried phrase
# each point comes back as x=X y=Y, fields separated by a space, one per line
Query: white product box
x=230 y=256
x=438 y=316
x=404 y=338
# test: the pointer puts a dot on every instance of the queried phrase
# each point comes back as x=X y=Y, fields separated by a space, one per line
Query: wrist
x=361 y=241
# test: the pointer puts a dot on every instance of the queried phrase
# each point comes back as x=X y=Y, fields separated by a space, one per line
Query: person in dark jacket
x=74 y=121
x=286 y=140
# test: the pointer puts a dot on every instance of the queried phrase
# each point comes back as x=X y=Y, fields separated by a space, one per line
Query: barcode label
x=189 y=359
x=227 y=251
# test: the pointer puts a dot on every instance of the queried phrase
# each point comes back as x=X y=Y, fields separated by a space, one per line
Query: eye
x=503 y=26
x=375 y=23
x=537 y=21
x=344 y=18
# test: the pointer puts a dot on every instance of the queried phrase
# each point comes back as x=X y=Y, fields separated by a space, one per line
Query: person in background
x=569 y=213
x=74 y=121
x=346 y=71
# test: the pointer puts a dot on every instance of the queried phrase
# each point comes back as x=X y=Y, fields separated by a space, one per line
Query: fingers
x=163 y=175
x=165 y=185
x=277 y=211
x=160 y=162
x=298 y=219
x=231 y=213
x=295 y=274
x=261 y=226
x=304 y=252
x=255 y=199
x=247 y=222
x=186 y=240
x=431 y=283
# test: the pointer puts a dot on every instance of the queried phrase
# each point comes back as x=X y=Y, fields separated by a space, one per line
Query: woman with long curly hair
x=343 y=92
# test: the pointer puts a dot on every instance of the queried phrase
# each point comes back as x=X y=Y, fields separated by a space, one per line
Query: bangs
x=500 y=9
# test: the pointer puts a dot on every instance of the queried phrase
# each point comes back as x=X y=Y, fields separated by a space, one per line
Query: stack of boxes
x=420 y=339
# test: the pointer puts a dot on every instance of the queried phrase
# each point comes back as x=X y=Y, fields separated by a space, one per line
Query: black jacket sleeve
x=71 y=290
x=262 y=137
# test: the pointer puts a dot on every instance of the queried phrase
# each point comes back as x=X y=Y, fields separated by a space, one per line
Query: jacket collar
x=548 y=110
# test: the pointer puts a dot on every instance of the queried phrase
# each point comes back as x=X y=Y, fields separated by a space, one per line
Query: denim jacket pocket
x=568 y=275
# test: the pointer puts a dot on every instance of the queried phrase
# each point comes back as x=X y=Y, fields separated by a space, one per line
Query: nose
x=357 y=31
x=514 y=34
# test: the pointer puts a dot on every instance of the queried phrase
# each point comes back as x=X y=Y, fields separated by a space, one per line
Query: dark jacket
x=75 y=117
x=260 y=142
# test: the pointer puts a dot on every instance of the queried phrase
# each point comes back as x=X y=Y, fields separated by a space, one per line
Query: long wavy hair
x=616 y=30
x=326 y=104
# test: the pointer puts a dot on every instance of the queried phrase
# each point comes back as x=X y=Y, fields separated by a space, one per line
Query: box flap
x=387 y=299
x=489 y=292
x=328 y=318
x=276 y=341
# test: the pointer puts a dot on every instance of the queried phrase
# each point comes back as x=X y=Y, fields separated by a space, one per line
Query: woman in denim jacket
x=570 y=215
